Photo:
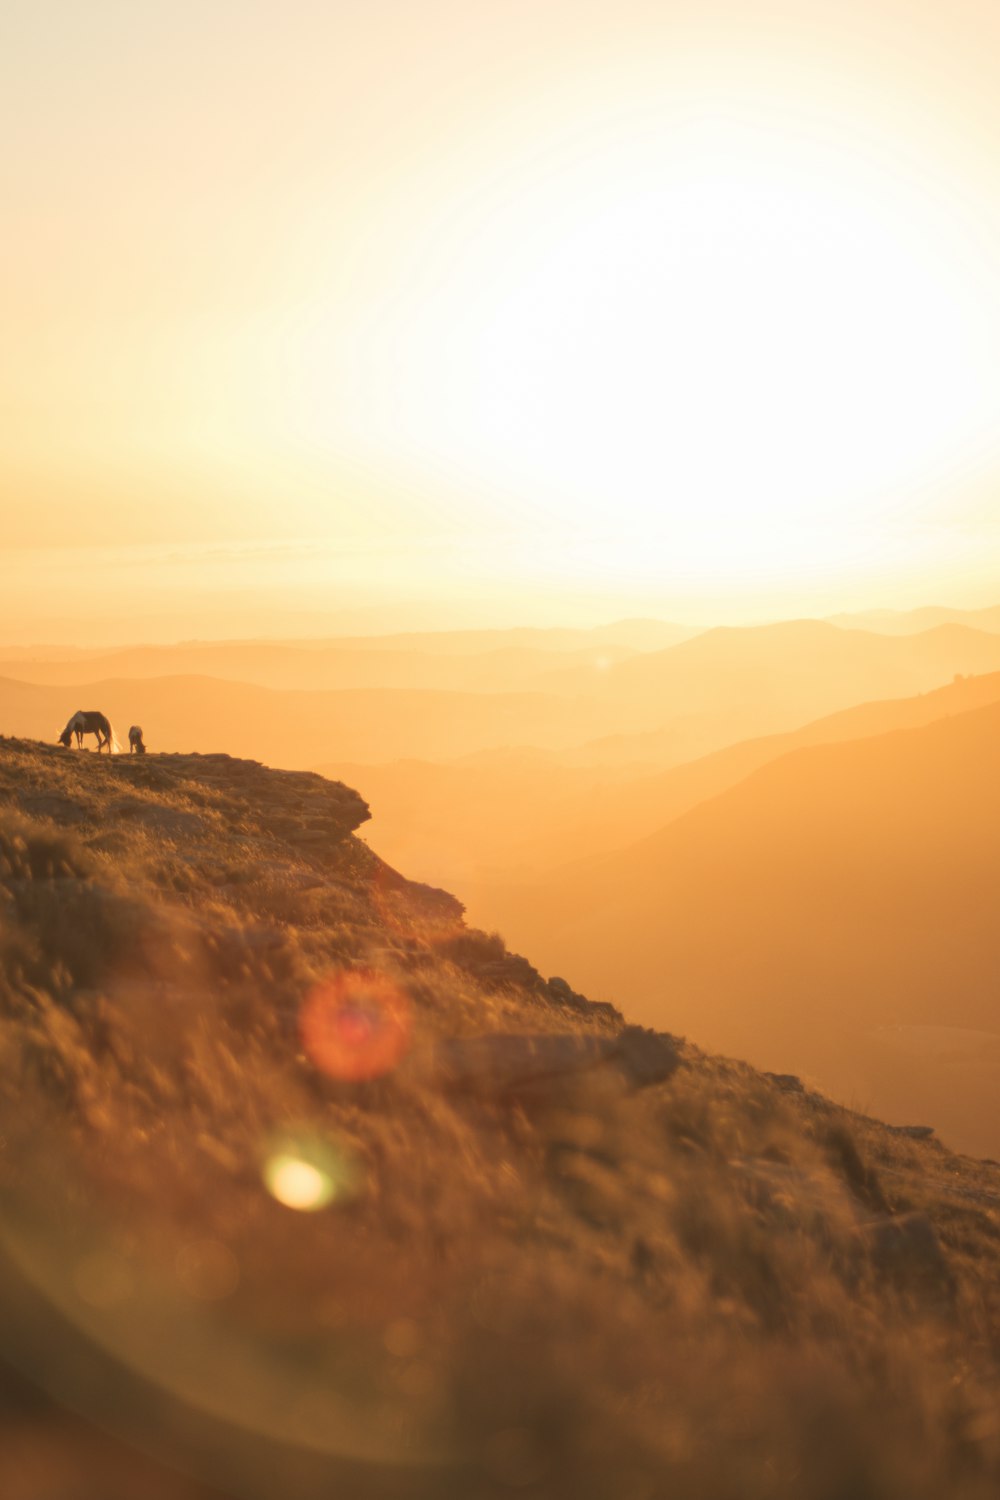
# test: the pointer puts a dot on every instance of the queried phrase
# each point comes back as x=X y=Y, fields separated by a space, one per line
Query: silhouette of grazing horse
x=135 y=740
x=89 y=721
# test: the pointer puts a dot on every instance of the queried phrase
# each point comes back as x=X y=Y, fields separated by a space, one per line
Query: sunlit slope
x=835 y=892
x=501 y=818
x=551 y=1252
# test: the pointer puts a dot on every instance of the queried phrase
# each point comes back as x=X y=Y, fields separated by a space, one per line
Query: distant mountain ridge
x=907 y=621
x=338 y=660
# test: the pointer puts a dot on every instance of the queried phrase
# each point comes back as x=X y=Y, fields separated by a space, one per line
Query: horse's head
x=65 y=737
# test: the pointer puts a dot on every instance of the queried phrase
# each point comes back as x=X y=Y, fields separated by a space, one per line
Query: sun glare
x=710 y=337
x=641 y=302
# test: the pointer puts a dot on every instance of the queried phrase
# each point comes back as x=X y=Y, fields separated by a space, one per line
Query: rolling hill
x=909 y=621
x=455 y=660
x=809 y=666
x=517 y=818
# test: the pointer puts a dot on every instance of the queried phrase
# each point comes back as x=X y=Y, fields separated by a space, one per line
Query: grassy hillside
x=557 y=1256
x=803 y=917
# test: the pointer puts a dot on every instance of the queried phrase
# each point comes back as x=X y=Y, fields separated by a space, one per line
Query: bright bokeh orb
x=298 y=1184
x=356 y=1026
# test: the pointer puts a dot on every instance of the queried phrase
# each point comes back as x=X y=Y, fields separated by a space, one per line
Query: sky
x=495 y=311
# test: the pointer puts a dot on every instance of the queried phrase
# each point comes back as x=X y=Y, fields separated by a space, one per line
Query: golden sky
x=516 y=306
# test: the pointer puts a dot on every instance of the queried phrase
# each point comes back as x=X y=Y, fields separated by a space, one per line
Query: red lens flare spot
x=356 y=1026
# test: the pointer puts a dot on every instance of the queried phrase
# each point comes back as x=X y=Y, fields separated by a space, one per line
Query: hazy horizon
x=93 y=599
x=498 y=314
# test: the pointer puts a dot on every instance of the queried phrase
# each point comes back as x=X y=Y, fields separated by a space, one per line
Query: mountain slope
x=836 y=892
x=549 y=1253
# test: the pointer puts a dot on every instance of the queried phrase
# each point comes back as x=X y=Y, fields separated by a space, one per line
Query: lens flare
x=356 y=1026
x=307 y=1173
x=298 y=1184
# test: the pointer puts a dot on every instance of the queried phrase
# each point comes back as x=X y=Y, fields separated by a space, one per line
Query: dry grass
x=584 y=1292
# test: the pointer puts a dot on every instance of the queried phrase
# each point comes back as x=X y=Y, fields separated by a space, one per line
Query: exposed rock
x=564 y=994
x=787 y=1082
x=646 y=1056
x=512 y=969
x=915 y=1132
x=502 y=1063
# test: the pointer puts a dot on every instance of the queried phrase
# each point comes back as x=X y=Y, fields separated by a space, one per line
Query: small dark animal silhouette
x=89 y=721
x=135 y=740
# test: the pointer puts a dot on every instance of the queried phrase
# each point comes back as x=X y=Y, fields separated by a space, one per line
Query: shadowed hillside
x=812 y=916
x=545 y=1252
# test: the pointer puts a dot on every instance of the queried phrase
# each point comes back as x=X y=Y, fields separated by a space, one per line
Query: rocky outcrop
x=539 y=1064
x=181 y=798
